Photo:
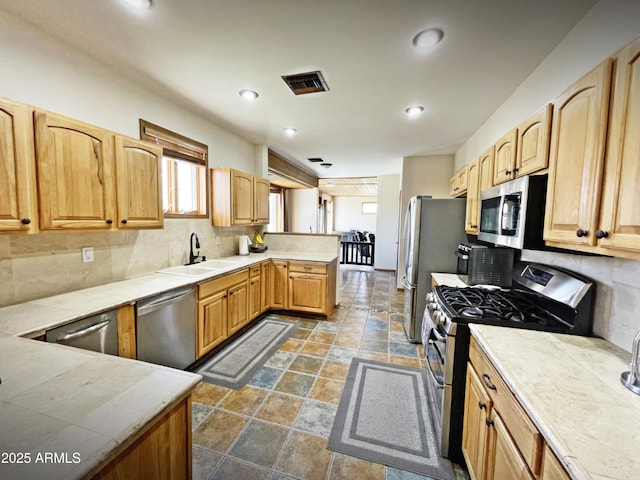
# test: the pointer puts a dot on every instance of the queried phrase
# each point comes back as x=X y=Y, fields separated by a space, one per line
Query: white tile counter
x=33 y=318
x=449 y=279
x=76 y=403
x=570 y=387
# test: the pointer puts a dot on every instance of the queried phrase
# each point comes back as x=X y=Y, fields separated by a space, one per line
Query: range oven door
x=435 y=355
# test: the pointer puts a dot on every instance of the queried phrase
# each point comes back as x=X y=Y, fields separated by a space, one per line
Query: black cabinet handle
x=124 y=221
x=109 y=221
x=486 y=379
x=482 y=405
x=507 y=172
x=473 y=226
x=515 y=170
x=26 y=221
x=582 y=233
x=600 y=234
x=489 y=422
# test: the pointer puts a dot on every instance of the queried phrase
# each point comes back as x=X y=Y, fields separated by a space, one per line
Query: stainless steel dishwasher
x=166 y=328
x=97 y=332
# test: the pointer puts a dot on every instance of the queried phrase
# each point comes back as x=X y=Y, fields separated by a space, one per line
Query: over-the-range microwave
x=512 y=213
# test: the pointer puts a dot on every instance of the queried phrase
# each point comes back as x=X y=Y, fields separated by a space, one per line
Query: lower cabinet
x=307 y=287
x=266 y=282
x=255 y=291
x=222 y=309
x=499 y=439
x=279 y=284
x=164 y=451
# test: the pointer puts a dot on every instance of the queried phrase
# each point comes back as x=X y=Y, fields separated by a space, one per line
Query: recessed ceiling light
x=326 y=165
x=428 y=38
x=248 y=94
x=289 y=131
x=414 y=110
x=140 y=3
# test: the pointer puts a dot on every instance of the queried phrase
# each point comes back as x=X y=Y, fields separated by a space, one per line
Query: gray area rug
x=383 y=417
x=234 y=366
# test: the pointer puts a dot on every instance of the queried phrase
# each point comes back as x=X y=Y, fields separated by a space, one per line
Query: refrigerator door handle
x=406 y=284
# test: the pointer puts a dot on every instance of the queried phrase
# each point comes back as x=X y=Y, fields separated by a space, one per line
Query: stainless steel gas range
x=541 y=298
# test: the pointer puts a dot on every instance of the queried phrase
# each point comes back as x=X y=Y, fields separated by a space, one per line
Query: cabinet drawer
x=254 y=270
x=221 y=283
x=520 y=427
x=308 y=267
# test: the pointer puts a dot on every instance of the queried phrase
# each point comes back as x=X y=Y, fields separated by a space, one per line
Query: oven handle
x=440 y=338
x=435 y=380
x=463 y=256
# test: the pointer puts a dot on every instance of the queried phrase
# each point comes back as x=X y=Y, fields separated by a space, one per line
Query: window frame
x=374 y=208
x=176 y=147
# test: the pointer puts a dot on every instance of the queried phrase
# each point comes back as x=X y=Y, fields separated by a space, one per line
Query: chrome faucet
x=193 y=257
x=631 y=379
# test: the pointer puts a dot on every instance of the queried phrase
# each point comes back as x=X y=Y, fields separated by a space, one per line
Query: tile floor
x=277 y=426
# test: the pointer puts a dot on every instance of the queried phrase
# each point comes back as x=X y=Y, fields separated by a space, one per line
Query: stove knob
x=430 y=297
x=438 y=318
x=433 y=306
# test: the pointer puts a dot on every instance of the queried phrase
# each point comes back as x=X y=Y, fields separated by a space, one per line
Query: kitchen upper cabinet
x=238 y=198
x=576 y=158
x=619 y=226
x=473 y=194
x=75 y=174
x=532 y=147
x=505 y=157
x=17 y=169
x=138 y=187
x=459 y=183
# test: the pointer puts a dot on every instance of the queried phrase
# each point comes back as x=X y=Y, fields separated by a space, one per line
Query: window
x=276 y=210
x=184 y=171
x=369 y=208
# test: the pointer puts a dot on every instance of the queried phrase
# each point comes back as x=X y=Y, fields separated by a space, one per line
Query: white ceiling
x=200 y=53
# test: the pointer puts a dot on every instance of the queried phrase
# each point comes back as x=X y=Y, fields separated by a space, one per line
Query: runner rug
x=234 y=365
x=383 y=417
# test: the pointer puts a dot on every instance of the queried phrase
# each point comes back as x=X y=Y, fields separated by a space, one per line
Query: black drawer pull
x=486 y=379
x=482 y=405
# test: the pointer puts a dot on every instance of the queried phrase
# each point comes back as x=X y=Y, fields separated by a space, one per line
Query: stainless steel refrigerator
x=433 y=228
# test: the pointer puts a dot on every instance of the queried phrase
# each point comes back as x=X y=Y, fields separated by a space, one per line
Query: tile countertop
x=570 y=387
x=33 y=318
x=72 y=402
x=449 y=279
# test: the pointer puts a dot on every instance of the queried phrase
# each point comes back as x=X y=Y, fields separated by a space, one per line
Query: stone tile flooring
x=277 y=426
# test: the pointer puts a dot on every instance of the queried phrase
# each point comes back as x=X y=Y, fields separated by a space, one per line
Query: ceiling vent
x=303 y=83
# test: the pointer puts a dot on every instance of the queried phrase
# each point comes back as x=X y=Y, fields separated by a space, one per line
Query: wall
x=301 y=205
x=607 y=27
x=39 y=70
x=348 y=214
x=387 y=222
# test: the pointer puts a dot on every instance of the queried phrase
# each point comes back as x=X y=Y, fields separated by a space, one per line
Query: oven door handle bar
x=433 y=375
x=486 y=379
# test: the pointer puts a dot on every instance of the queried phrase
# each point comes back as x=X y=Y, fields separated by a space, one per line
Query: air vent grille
x=303 y=83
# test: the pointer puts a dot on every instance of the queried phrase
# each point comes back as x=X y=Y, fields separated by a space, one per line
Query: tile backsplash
x=617 y=305
x=49 y=263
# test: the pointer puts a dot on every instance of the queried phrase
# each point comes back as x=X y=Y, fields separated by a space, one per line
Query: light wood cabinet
x=576 y=158
x=505 y=157
x=307 y=287
x=255 y=291
x=280 y=284
x=458 y=183
x=473 y=197
x=499 y=439
x=222 y=309
x=266 y=282
x=619 y=226
x=162 y=451
x=534 y=135
x=238 y=198
x=75 y=174
x=485 y=169
x=138 y=186
x=18 y=198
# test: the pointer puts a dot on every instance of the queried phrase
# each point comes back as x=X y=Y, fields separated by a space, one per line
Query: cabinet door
x=238 y=308
x=212 y=322
x=75 y=174
x=307 y=292
x=552 y=469
x=266 y=282
x=473 y=195
x=475 y=433
x=280 y=284
x=485 y=170
x=503 y=459
x=138 y=187
x=241 y=198
x=261 y=200
x=578 y=138
x=533 y=142
x=254 y=297
x=620 y=217
x=505 y=158
x=17 y=169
